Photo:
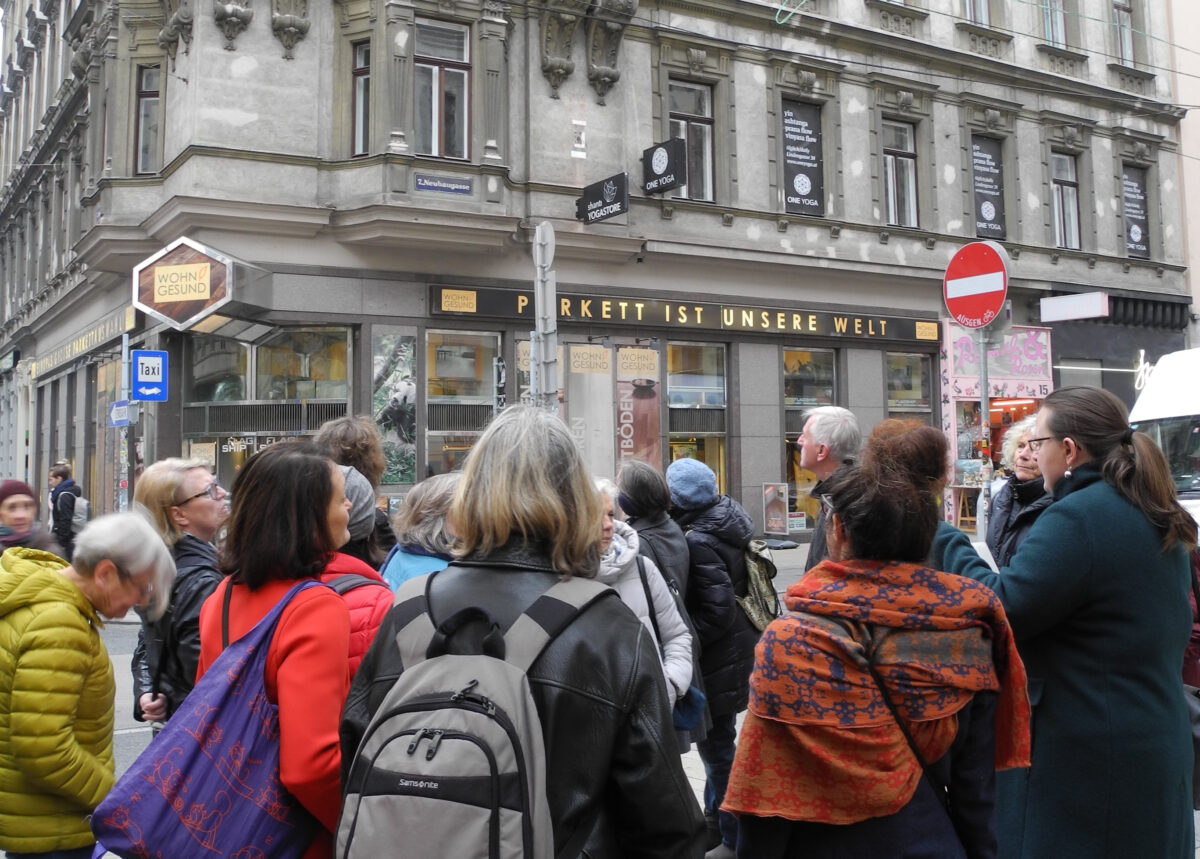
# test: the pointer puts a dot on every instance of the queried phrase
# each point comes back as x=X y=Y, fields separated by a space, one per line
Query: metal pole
x=985 y=429
x=125 y=456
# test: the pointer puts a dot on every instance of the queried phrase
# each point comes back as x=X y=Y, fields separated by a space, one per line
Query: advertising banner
x=987 y=170
x=803 y=167
x=639 y=427
x=1137 y=221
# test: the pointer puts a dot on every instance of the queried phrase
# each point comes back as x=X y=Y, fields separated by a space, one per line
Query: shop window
x=900 y=172
x=1065 y=183
x=696 y=396
x=691 y=109
x=360 y=83
x=442 y=75
x=808 y=381
x=303 y=364
x=462 y=374
x=218 y=370
x=910 y=386
x=394 y=400
x=148 y=159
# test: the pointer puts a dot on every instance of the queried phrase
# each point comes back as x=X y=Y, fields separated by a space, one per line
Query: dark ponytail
x=1129 y=461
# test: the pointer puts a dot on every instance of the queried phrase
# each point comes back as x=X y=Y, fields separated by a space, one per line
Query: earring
x=1067 y=473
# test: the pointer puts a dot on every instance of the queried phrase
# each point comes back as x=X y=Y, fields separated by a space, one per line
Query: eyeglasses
x=1035 y=444
x=213 y=491
x=827 y=506
x=144 y=591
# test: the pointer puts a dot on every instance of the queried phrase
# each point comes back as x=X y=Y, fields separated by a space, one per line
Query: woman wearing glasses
x=1097 y=595
x=187 y=507
x=882 y=703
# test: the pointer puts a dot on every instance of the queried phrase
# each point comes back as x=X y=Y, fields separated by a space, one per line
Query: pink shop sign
x=1019 y=366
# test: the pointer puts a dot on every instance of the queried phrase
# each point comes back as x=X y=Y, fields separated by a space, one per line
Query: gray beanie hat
x=692 y=483
x=362 y=501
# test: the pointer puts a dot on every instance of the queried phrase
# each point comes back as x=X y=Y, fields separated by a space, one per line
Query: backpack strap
x=347 y=582
x=649 y=600
x=548 y=616
x=410 y=611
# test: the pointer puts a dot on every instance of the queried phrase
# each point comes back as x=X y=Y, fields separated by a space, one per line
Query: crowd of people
x=910 y=701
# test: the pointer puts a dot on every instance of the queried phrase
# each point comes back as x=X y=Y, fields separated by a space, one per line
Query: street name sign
x=976 y=284
x=118 y=413
x=149 y=375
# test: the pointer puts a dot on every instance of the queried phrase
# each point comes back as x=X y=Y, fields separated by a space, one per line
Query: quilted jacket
x=56 y=707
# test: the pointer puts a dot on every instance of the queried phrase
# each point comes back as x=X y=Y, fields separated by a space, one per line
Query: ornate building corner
x=232 y=16
x=606 y=26
x=289 y=21
x=560 y=19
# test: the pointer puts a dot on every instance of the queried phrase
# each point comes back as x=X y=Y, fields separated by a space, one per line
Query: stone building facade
x=377 y=170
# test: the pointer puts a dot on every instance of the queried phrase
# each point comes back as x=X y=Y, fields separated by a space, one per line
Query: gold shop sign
x=518 y=304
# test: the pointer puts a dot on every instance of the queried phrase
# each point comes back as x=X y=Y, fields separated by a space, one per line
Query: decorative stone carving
x=177 y=28
x=289 y=22
x=81 y=60
x=986 y=45
x=560 y=20
x=901 y=25
x=606 y=26
x=232 y=16
x=807 y=80
x=904 y=100
x=696 y=58
x=992 y=117
x=36 y=22
x=1134 y=83
x=495 y=9
x=1070 y=135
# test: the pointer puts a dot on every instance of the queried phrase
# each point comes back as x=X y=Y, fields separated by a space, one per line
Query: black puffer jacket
x=661 y=540
x=196 y=576
x=1014 y=510
x=717 y=536
x=611 y=761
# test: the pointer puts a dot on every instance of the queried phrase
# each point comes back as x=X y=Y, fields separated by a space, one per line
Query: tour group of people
x=910 y=701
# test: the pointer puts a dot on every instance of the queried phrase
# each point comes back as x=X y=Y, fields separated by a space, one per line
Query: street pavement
x=131 y=737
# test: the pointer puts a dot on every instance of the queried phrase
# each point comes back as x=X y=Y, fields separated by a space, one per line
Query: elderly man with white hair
x=56 y=679
x=831 y=439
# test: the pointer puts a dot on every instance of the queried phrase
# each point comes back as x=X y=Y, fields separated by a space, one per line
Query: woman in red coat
x=289 y=516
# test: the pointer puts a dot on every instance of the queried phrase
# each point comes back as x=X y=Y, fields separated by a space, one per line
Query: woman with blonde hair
x=527 y=516
x=424 y=543
x=1022 y=499
x=187 y=507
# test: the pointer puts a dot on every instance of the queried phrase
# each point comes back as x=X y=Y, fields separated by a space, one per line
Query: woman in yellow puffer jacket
x=56 y=680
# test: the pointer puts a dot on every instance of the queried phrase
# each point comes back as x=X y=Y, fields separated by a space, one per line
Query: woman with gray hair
x=1023 y=497
x=423 y=540
x=56 y=678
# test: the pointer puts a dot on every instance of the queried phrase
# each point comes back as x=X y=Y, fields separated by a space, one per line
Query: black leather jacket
x=611 y=761
x=1015 y=508
x=196 y=576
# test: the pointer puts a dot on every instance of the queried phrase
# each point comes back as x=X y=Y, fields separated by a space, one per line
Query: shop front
x=1019 y=377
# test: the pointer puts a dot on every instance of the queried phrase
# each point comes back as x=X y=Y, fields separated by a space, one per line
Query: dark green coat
x=1101 y=617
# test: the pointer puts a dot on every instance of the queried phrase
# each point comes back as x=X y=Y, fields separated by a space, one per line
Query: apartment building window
x=691 y=114
x=146 y=133
x=442 y=78
x=977 y=12
x=1066 y=200
x=360 y=75
x=1055 y=20
x=1123 y=18
x=900 y=172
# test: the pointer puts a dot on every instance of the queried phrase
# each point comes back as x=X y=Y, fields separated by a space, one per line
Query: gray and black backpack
x=453 y=762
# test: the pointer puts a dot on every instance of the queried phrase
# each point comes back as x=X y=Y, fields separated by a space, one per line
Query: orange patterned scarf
x=819 y=742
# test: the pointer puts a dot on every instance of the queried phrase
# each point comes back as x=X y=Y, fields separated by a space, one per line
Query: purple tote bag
x=208 y=785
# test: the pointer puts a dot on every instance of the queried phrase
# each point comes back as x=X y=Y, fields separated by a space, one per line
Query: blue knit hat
x=692 y=483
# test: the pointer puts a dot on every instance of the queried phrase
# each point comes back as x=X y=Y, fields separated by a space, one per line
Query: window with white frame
x=900 y=172
x=146 y=134
x=1055 y=22
x=442 y=88
x=360 y=133
x=1123 y=19
x=977 y=12
x=691 y=114
x=1065 y=185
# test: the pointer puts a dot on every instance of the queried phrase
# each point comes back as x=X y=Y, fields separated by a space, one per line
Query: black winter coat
x=62 y=514
x=611 y=763
x=196 y=576
x=717 y=536
x=1014 y=510
x=662 y=541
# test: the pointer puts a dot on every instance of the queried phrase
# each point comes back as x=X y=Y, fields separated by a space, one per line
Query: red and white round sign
x=976 y=284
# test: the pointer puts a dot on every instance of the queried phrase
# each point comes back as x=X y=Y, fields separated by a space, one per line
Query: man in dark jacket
x=717 y=530
x=63 y=492
x=831 y=439
x=188 y=507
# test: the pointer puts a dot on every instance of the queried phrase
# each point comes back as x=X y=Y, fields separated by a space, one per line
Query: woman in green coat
x=1097 y=596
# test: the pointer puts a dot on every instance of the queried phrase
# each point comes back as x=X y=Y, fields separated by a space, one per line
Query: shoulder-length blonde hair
x=525 y=478
x=157 y=489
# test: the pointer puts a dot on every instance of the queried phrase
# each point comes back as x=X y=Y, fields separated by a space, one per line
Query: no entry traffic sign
x=976 y=283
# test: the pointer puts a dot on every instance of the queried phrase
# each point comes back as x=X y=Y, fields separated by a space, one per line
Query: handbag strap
x=641 y=564
x=1195 y=582
x=938 y=787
